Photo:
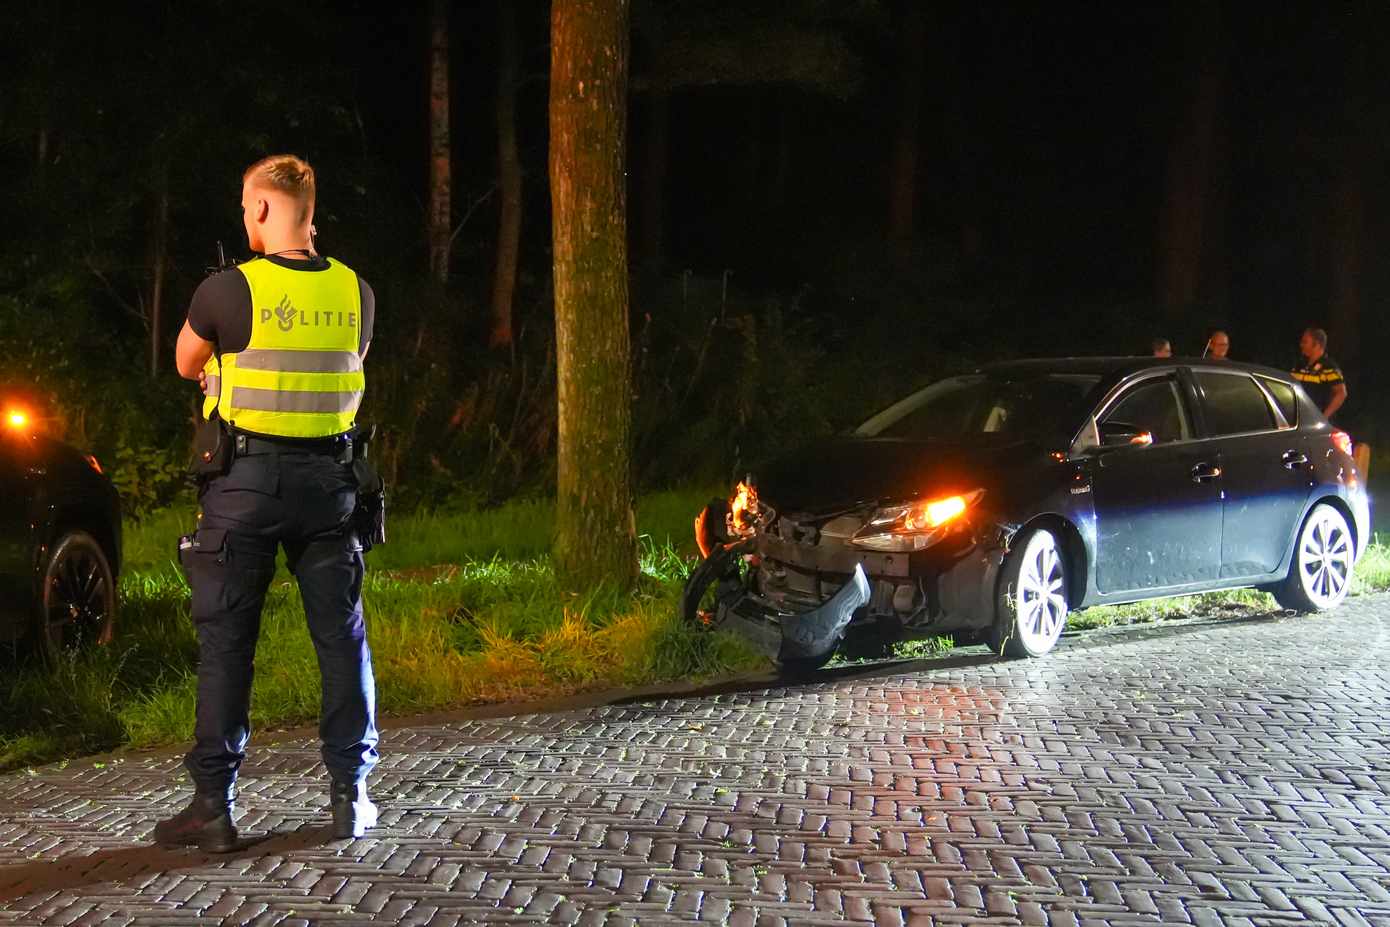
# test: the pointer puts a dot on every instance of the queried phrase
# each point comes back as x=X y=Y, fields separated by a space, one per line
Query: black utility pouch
x=207 y=541
x=369 y=518
x=212 y=449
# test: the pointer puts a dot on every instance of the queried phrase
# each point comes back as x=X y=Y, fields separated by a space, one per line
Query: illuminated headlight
x=915 y=525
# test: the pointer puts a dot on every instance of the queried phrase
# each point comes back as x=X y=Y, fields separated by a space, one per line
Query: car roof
x=1117 y=367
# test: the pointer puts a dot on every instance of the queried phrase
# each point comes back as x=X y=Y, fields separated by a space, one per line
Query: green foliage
x=464 y=609
x=146 y=477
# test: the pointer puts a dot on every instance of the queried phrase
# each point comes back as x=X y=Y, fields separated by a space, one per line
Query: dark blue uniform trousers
x=303 y=500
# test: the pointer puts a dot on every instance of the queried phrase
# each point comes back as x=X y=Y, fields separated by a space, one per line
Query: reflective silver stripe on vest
x=299 y=361
x=214 y=387
x=286 y=400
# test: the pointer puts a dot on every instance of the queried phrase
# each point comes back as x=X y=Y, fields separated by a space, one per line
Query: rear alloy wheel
x=1323 y=558
x=77 y=604
x=1031 y=608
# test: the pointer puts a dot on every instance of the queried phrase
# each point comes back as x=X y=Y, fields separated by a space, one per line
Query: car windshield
x=1037 y=407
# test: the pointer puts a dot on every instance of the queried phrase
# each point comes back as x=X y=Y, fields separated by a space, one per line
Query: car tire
x=1031 y=605
x=1320 y=569
x=77 y=598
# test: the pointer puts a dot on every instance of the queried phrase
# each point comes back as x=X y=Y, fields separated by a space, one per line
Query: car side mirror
x=1123 y=434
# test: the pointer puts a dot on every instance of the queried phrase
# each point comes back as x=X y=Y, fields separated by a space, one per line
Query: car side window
x=1285 y=398
x=1233 y=404
x=1156 y=407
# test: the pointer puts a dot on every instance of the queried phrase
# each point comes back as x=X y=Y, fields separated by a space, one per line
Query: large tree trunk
x=437 y=231
x=159 y=268
x=509 y=175
x=906 y=145
x=595 y=539
x=1184 y=220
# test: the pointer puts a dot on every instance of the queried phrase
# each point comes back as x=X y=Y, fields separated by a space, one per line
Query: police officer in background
x=278 y=344
x=1320 y=375
x=1218 y=346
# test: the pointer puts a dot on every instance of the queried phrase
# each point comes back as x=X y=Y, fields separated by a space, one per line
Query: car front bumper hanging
x=804 y=635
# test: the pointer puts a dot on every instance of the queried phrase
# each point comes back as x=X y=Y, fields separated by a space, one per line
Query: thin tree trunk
x=1347 y=241
x=159 y=270
x=595 y=538
x=509 y=175
x=781 y=169
x=41 y=152
x=1184 y=220
x=907 y=146
x=1347 y=246
x=654 y=184
x=437 y=231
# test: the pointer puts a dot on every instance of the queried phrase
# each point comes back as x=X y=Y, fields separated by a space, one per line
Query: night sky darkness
x=1048 y=127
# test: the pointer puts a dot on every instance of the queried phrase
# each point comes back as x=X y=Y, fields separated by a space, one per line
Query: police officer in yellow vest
x=278 y=344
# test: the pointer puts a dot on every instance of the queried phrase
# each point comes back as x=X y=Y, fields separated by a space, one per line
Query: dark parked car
x=999 y=501
x=60 y=542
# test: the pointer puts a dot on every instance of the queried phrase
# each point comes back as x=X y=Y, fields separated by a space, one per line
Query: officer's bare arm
x=192 y=353
x=1339 y=396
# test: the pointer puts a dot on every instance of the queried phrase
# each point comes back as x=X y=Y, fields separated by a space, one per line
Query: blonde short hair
x=286 y=173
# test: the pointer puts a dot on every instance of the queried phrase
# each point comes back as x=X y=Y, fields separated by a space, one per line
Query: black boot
x=353 y=811
x=206 y=824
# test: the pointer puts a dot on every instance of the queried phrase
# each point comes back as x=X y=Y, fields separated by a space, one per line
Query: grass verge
x=462 y=609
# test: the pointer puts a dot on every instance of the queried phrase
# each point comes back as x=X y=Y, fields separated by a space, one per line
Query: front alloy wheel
x=1320 y=574
x=1031 y=610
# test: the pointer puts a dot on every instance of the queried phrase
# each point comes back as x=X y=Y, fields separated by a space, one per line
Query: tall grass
x=462 y=608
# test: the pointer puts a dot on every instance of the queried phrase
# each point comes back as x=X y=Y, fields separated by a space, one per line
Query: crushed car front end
x=798 y=583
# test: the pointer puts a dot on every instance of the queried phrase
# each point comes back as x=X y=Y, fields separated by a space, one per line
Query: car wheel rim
x=1325 y=558
x=1041 y=603
x=77 y=603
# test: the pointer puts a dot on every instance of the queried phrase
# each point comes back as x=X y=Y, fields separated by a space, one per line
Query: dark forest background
x=829 y=203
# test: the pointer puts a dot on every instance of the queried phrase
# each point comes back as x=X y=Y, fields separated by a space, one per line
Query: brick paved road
x=1213 y=774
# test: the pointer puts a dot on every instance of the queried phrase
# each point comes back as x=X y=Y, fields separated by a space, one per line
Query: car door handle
x=1292 y=460
x=1205 y=472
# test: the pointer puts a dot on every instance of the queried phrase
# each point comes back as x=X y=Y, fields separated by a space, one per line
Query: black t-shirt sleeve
x=221 y=311
x=368 y=315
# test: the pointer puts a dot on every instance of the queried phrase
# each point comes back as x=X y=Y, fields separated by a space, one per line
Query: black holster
x=369 y=518
x=212 y=449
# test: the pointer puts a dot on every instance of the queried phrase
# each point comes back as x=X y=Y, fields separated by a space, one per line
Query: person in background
x=1162 y=347
x=1320 y=375
x=1218 y=345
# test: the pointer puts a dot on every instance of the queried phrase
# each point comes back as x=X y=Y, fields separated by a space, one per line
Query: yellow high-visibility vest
x=301 y=374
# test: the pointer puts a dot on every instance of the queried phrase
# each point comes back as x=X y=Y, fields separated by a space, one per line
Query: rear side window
x=1283 y=397
x=1233 y=404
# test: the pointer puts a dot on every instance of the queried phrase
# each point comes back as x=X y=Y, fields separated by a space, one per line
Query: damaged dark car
x=991 y=505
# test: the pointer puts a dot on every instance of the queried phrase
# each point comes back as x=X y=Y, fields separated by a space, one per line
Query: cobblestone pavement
x=1228 y=773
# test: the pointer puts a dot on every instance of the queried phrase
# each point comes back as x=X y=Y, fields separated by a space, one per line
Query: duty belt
x=340 y=446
